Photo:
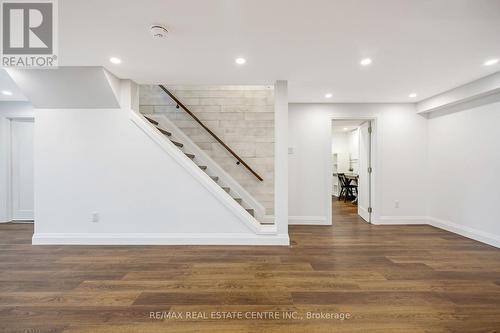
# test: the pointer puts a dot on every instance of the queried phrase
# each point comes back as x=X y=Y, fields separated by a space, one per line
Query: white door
x=22 y=169
x=364 y=182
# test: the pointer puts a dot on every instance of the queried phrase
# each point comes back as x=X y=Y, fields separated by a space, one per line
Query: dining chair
x=343 y=188
x=347 y=189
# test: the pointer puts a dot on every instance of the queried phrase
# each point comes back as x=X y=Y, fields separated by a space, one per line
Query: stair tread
x=189 y=155
x=152 y=120
x=215 y=178
x=203 y=167
x=178 y=144
x=227 y=189
x=165 y=132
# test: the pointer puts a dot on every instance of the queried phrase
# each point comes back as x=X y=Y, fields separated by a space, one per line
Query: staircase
x=201 y=162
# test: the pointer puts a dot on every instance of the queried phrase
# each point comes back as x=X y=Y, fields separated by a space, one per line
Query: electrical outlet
x=396 y=204
x=95 y=217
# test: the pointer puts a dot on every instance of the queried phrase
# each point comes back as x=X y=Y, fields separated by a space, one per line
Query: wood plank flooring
x=384 y=278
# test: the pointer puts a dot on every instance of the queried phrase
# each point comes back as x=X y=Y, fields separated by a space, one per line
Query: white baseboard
x=247 y=239
x=308 y=220
x=475 y=234
x=158 y=239
x=400 y=220
x=478 y=235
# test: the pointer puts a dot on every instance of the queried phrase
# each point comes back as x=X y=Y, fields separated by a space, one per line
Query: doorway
x=351 y=171
x=21 y=169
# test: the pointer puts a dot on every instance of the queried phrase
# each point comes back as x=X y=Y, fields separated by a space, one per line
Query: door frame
x=6 y=164
x=374 y=163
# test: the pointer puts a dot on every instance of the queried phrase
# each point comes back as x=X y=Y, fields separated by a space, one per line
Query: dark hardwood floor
x=385 y=278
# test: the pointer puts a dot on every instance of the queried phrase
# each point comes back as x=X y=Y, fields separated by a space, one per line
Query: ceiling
x=423 y=46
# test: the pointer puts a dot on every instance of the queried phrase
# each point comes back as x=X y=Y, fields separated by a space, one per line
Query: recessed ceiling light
x=328 y=95
x=240 y=61
x=345 y=128
x=7 y=93
x=491 y=62
x=366 y=62
x=115 y=60
x=412 y=95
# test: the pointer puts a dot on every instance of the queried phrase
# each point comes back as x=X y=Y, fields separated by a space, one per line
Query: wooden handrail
x=179 y=103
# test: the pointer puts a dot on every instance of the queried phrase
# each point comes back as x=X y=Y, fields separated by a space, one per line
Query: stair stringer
x=213 y=166
x=198 y=174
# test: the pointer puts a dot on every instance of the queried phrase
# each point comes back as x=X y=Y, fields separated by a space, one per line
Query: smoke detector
x=158 y=31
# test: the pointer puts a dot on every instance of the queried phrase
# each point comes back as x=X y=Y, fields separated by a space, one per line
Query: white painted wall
x=68 y=87
x=105 y=164
x=464 y=166
x=15 y=109
x=399 y=161
x=354 y=144
x=347 y=143
x=340 y=142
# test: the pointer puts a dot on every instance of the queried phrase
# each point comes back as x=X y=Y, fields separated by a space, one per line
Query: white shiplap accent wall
x=242 y=116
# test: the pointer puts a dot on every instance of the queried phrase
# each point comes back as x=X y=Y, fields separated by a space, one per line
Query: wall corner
x=281 y=155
